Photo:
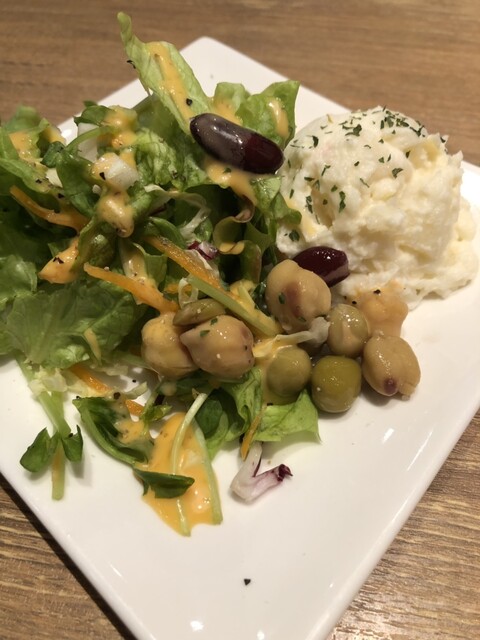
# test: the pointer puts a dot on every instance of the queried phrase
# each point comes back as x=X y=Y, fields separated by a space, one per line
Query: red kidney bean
x=328 y=263
x=235 y=145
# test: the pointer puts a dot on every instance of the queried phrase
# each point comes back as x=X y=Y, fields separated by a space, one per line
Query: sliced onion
x=120 y=174
x=248 y=484
x=87 y=148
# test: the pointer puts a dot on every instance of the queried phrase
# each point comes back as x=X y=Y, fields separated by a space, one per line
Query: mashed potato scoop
x=378 y=186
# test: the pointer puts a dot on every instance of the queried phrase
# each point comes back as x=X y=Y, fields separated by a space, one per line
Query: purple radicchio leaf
x=248 y=484
x=205 y=249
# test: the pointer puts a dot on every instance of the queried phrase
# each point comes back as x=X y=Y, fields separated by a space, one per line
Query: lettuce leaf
x=49 y=326
x=228 y=412
x=17 y=278
x=282 y=420
x=256 y=113
x=153 y=77
x=100 y=416
x=13 y=168
x=164 y=485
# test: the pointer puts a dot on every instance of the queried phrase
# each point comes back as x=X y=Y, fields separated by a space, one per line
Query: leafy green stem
x=58 y=472
x=175 y=454
x=182 y=430
x=52 y=450
x=255 y=318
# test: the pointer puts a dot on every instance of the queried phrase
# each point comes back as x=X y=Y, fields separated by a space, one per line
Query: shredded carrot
x=69 y=217
x=101 y=388
x=185 y=259
x=144 y=292
x=250 y=433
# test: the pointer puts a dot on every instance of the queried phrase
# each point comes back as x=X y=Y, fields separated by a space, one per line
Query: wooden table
x=422 y=58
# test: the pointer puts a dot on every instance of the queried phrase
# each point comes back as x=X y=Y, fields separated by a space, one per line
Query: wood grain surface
x=420 y=57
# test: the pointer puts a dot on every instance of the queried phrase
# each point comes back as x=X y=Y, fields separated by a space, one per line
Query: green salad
x=130 y=223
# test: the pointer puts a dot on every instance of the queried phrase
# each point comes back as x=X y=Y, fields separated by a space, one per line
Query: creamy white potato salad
x=376 y=184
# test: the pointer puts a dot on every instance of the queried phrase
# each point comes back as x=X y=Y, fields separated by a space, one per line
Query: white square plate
x=306 y=547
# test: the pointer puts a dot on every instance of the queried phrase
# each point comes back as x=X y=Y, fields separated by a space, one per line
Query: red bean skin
x=328 y=263
x=235 y=145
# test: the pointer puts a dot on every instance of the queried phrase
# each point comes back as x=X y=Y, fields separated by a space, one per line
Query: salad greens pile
x=71 y=303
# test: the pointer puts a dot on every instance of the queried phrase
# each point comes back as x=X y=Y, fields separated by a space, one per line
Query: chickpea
x=348 y=331
x=389 y=365
x=384 y=311
x=162 y=350
x=221 y=346
x=288 y=372
x=295 y=296
x=336 y=383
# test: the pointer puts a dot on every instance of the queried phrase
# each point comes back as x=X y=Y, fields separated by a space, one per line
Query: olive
x=336 y=382
x=348 y=331
x=288 y=372
x=198 y=311
x=390 y=366
x=235 y=145
x=328 y=263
